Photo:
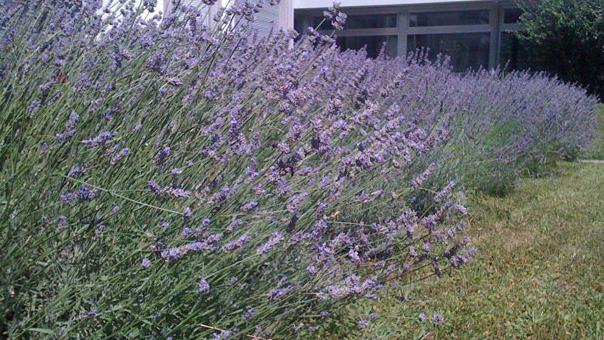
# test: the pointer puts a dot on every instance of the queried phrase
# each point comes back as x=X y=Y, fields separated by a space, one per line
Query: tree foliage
x=566 y=37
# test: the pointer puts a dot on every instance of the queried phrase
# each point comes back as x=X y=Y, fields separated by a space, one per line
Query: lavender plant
x=165 y=178
x=500 y=125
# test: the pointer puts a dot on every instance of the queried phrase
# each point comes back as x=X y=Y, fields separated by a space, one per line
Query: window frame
x=495 y=27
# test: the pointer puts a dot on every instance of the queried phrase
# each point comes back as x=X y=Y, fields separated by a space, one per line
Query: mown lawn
x=539 y=272
x=597 y=151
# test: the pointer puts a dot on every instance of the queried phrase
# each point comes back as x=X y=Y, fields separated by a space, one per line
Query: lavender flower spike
x=273 y=240
x=101 y=139
x=203 y=286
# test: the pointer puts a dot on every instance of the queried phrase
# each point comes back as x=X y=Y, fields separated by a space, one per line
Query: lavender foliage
x=294 y=180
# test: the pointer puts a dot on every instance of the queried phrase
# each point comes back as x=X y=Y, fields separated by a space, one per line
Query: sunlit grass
x=539 y=273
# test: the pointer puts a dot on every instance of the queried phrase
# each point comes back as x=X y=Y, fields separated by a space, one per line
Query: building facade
x=473 y=33
x=280 y=16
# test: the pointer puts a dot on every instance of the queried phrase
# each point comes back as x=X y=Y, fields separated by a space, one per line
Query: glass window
x=513 y=54
x=299 y=24
x=474 y=17
x=467 y=50
x=371 y=21
x=360 y=21
x=373 y=44
x=322 y=23
x=511 y=15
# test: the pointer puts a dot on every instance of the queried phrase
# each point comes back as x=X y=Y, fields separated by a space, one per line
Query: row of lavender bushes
x=499 y=124
x=164 y=178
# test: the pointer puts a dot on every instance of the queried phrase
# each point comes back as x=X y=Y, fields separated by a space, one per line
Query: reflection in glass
x=475 y=17
x=373 y=44
x=511 y=15
x=513 y=54
x=467 y=50
x=360 y=21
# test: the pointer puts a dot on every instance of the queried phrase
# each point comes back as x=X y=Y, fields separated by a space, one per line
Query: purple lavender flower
x=427 y=246
x=438 y=318
x=137 y=127
x=227 y=333
x=187 y=214
x=278 y=293
x=163 y=155
x=234 y=225
x=115 y=209
x=236 y=244
x=248 y=314
x=93 y=312
x=203 y=286
x=460 y=208
x=174 y=81
x=86 y=194
x=186 y=233
x=354 y=256
x=249 y=206
x=419 y=180
x=68 y=197
x=214 y=238
x=422 y=317
x=273 y=240
x=177 y=192
x=173 y=254
x=155 y=188
x=70 y=128
x=146 y=263
x=446 y=191
x=119 y=156
x=101 y=139
x=75 y=172
x=66 y=135
x=74 y=117
x=34 y=106
x=296 y=201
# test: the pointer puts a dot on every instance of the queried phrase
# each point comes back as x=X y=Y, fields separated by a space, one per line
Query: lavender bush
x=500 y=125
x=163 y=178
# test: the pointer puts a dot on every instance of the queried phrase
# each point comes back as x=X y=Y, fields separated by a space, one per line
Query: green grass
x=539 y=272
x=597 y=150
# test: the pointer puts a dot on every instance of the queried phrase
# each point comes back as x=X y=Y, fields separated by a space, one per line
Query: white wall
x=270 y=17
x=267 y=19
x=275 y=17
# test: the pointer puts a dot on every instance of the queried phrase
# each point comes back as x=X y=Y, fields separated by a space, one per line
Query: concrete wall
x=168 y=7
x=267 y=19
x=275 y=17
x=280 y=16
